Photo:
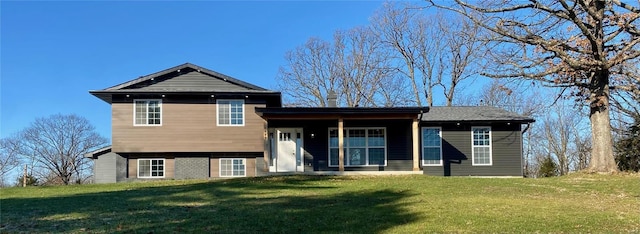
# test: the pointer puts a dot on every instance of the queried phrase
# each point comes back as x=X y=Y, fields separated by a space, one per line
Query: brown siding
x=215 y=167
x=185 y=127
x=251 y=167
x=169 y=168
x=133 y=168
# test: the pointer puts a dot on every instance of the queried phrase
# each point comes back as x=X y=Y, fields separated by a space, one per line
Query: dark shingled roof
x=182 y=79
x=98 y=152
x=472 y=113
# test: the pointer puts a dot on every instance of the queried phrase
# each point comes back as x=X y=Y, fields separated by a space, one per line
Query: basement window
x=150 y=168
x=232 y=167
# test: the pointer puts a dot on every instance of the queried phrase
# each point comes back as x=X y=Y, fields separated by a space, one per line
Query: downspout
x=524 y=164
x=526 y=128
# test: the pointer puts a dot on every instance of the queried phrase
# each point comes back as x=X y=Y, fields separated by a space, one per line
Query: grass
x=327 y=204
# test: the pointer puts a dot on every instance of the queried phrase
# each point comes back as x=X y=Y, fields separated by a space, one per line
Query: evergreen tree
x=628 y=148
x=548 y=168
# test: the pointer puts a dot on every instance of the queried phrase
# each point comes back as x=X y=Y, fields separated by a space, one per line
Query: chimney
x=332 y=99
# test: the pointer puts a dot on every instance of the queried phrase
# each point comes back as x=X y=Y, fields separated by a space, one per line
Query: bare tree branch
x=58 y=144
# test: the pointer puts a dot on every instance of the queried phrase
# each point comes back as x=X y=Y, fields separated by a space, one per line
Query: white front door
x=289 y=150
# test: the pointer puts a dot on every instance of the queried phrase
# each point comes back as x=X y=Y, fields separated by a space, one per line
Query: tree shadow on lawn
x=253 y=205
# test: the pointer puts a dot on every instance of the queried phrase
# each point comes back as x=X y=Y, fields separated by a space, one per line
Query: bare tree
x=557 y=133
x=429 y=61
x=399 y=30
x=563 y=137
x=461 y=54
x=310 y=73
x=57 y=145
x=625 y=104
x=355 y=66
x=582 y=152
x=523 y=99
x=363 y=68
x=574 y=44
x=430 y=50
x=9 y=157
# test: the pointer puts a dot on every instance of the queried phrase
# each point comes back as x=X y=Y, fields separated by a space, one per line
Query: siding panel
x=105 y=168
x=215 y=167
x=506 y=152
x=250 y=167
x=186 y=128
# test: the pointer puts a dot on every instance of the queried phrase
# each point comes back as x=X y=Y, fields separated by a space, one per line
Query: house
x=190 y=122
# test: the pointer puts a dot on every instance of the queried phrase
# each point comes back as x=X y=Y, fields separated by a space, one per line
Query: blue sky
x=53 y=53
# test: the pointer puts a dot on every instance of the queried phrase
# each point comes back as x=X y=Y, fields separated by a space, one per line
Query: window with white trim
x=230 y=112
x=147 y=112
x=150 y=168
x=431 y=146
x=232 y=167
x=481 y=146
x=362 y=147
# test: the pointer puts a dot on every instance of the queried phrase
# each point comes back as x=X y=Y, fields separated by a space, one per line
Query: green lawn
x=330 y=204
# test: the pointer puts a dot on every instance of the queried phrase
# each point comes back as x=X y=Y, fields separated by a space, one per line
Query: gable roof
x=98 y=152
x=472 y=113
x=185 y=78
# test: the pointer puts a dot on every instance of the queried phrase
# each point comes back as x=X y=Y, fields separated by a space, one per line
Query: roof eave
x=106 y=95
x=98 y=152
x=340 y=110
x=480 y=120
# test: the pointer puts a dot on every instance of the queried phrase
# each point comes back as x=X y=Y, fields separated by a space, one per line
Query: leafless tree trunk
x=428 y=48
x=563 y=137
x=583 y=151
x=574 y=44
x=363 y=67
x=57 y=144
x=557 y=133
x=461 y=53
x=429 y=54
x=310 y=73
x=355 y=66
x=395 y=26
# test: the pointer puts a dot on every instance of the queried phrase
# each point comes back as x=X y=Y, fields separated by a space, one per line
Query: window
x=362 y=147
x=232 y=167
x=431 y=147
x=481 y=137
x=147 y=112
x=150 y=168
x=230 y=112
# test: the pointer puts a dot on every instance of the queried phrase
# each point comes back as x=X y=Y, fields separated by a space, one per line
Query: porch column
x=416 y=145
x=340 y=144
x=267 y=147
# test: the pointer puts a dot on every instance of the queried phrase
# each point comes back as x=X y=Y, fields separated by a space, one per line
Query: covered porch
x=342 y=140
